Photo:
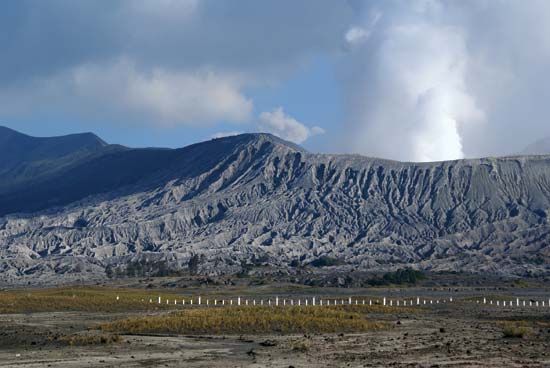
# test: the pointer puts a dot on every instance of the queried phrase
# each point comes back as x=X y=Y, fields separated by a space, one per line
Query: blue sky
x=418 y=80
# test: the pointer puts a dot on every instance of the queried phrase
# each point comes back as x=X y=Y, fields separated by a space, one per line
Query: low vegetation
x=515 y=330
x=82 y=299
x=399 y=277
x=251 y=320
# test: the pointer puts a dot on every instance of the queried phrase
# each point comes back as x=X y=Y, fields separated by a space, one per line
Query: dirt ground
x=461 y=334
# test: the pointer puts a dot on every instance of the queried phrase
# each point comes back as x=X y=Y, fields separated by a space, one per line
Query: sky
x=411 y=80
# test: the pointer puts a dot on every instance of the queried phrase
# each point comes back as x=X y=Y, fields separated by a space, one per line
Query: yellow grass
x=82 y=299
x=251 y=320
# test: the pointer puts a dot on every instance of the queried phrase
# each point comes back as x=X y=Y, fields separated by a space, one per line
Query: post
x=306 y=302
x=313 y=301
x=159 y=299
x=484 y=300
x=384 y=301
x=299 y=302
x=199 y=300
x=276 y=301
x=239 y=301
x=417 y=301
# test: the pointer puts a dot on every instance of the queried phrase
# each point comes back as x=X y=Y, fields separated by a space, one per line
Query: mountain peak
x=261 y=138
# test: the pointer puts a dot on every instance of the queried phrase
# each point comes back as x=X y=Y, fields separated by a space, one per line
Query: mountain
x=26 y=159
x=256 y=201
x=540 y=147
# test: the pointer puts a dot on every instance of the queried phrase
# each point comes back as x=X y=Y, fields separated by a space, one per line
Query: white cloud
x=284 y=126
x=356 y=35
x=158 y=96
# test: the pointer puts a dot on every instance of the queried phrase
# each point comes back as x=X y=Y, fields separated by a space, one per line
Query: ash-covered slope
x=255 y=199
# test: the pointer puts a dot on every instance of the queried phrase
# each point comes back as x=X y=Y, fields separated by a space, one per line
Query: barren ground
x=461 y=334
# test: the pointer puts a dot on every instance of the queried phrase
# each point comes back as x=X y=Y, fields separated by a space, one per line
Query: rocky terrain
x=255 y=201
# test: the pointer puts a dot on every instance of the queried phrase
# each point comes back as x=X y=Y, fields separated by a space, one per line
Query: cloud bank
x=166 y=62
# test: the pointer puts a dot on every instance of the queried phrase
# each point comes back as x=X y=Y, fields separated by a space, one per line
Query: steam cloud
x=425 y=78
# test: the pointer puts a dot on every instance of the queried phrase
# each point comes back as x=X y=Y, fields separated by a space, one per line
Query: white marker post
x=159 y=299
x=384 y=303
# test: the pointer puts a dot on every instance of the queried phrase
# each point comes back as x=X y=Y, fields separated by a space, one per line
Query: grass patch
x=515 y=330
x=82 y=299
x=250 y=320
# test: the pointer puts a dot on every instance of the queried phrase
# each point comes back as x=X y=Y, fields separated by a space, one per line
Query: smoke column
x=411 y=100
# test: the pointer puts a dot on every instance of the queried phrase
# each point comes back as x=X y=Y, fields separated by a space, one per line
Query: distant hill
x=26 y=159
x=254 y=200
x=540 y=147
